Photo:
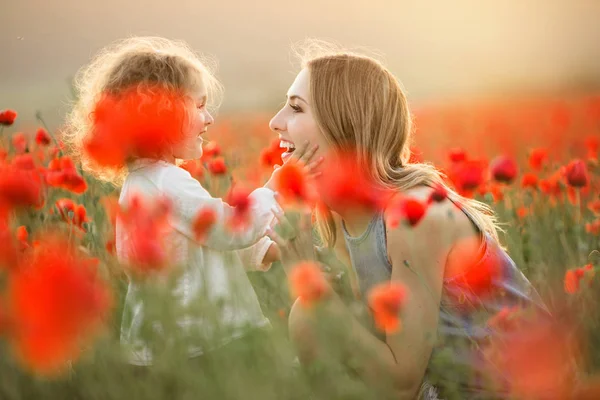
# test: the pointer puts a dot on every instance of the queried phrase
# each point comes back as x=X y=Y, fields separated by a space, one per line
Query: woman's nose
x=277 y=124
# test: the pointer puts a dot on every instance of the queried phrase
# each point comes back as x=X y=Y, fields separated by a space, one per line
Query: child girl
x=142 y=105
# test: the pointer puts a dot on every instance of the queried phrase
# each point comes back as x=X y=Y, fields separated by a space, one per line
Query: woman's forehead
x=300 y=86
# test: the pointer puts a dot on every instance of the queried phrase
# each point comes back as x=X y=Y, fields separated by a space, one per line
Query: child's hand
x=293 y=235
x=304 y=155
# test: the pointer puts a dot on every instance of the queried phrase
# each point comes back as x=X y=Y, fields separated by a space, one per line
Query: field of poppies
x=534 y=160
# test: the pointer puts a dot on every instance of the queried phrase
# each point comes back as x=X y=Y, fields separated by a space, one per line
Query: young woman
x=340 y=101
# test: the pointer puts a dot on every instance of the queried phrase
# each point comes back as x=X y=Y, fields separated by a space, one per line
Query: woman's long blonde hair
x=358 y=103
x=133 y=62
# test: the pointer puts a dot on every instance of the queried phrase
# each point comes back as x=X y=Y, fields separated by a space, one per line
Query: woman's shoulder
x=444 y=220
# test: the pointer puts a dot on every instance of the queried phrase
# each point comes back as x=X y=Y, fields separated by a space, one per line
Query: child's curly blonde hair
x=129 y=63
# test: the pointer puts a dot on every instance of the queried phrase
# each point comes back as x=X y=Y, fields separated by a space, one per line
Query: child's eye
x=295 y=108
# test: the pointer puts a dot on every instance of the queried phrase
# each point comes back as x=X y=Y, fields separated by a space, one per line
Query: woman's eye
x=295 y=108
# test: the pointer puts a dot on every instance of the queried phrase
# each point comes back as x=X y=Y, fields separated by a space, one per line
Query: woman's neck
x=356 y=221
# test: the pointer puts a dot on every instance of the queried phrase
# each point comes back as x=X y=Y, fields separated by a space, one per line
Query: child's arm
x=260 y=256
x=190 y=197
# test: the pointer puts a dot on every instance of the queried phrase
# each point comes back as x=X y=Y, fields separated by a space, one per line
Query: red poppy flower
x=594 y=206
x=7 y=117
x=522 y=212
x=592 y=144
x=42 y=137
x=203 y=222
x=24 y=162
x=62 y=173
x=529 y=180
x=217 y=166
x=72 y=213
x=70 y=305
x=135 y=123
x=237 y=197
x=19 y=142
x=577 y=174
x=20 y=188
x=457 y=155
x=271 y=156
x=535 y=360
x=469 y=271
x=439 y=194
x=537 y=157
x=468 y=175
x=386 y=301
x=504 y=169
x=211 y=149
x=294 y=186
x=146 y=225
x=308 y=283
x=593 y=227
x=405 y=209
x=344 y=185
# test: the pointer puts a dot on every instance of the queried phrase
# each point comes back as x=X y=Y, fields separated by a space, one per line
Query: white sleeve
x=253 y=256
x=190 y=197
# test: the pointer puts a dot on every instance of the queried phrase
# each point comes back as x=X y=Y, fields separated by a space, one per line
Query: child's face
x=200 y=119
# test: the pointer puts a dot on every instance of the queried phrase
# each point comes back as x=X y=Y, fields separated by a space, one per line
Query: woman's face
x=199 y=120
x=295 y=122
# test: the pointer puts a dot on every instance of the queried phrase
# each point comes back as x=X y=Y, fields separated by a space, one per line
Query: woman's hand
x=303 y=155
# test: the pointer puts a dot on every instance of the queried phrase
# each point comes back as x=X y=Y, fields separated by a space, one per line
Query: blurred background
x=442 y=51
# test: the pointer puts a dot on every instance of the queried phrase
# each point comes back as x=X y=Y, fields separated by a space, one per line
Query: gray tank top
x=461 y=324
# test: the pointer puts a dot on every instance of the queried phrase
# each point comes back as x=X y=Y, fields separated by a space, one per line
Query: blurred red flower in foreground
x=345 y=185
x=204 y=220
x=57 y=303
x=271 y=156
x=7 y=117
x=20 y=188
x=471 y=269
x=62 y=173
x=294 y=186
x=386 y=301
x=135 y=123
x=576 y=173
x=504 y=169
x=237 y=197
x=535 y=360
x=308 y=283
x=145 y=224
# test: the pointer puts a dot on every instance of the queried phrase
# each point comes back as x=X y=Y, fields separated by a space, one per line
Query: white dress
x=214 y=273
